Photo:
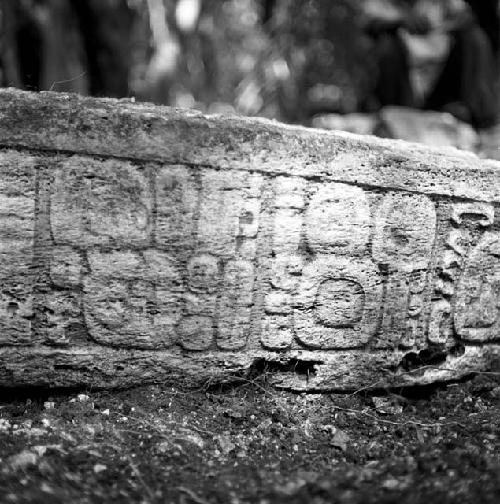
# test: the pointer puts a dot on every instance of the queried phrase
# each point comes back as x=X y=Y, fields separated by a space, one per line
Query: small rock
x=195 y=439
x=265 y=424
x=386 y=406
x=396 y=484
x=236 y=412
x=99 y=468
x=105 y=412
x=47 y=488
x=34 y=432
x=40 y=450
x=226 y=445
x=83 y=397
x=49 y=405
x=495 y=393
x=328 y=428
x=23 y=460
x=340 y=439
x=4 y=425
x=420 y=436
x=390 y=484
x=163 y=447
x=308 y=427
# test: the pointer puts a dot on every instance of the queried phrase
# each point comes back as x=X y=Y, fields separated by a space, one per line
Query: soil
x=248 y=442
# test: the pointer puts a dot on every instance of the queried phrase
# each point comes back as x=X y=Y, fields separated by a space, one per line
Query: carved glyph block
x=204 y=246
x=132 y=300
x=404 y=231
x=338 y=303
x=477 y=308
x=338 y=220
x=100 y=203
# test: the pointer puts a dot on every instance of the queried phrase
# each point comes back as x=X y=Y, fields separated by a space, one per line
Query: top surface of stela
x=141 y=243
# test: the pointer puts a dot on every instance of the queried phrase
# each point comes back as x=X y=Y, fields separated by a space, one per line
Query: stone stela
x=143 y=244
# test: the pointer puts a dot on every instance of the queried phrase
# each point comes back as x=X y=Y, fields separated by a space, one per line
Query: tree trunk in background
x=267 y=11
x=21 y=45
x=64 y=62
x=81 y=46
x=105 y=26
x=8 y=46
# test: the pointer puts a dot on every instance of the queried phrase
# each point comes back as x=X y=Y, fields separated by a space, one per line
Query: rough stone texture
x=141 y=243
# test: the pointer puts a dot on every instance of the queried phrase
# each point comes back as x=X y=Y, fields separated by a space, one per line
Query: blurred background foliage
x=311 y=62
x=284 y=59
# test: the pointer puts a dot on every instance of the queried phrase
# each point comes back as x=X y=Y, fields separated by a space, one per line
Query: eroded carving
x=136 y=296
x=229 y=212
x=277 y=332
x=471 y=217
x=268 y=243
x=16 y=315
x=106 y=203
x=284 y=274
x=404 y=232
x=337 y=303
x=289 y=192
x=196 y=332
x=65 y=267
x=235 y=305
x=440 y=311
x=286 y=265
x=177 y=198
x=404 y=235
x=338 y=220
x=131 y=300
x=200 y=302
x=477 y=305
x=60 y=317
x=484 y=213
x=287 y=230
x=203 y=273
x=415 y=323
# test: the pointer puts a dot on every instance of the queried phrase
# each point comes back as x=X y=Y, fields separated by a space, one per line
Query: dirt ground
x=249 y=442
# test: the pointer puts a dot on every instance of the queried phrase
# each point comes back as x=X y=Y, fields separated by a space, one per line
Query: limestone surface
x=142 y=243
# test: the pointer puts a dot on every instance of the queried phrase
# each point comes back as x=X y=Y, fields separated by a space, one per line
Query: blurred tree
x=67 y=45
x=277 y=58
x=20 y=45
x=105 y=28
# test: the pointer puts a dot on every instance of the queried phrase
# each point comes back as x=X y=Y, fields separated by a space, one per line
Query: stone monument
x=146 y=244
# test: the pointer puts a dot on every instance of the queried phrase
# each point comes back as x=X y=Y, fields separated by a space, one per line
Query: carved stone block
x=201 y=246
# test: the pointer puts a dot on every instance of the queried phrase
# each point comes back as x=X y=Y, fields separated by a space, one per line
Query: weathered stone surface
x=141 y=243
